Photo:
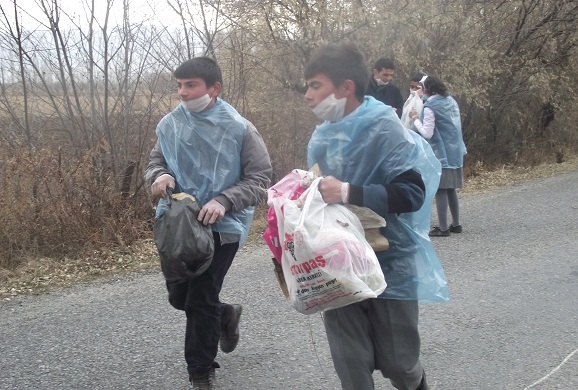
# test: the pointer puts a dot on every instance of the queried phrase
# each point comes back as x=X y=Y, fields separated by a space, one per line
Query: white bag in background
x=413 y=101
x=327 y=263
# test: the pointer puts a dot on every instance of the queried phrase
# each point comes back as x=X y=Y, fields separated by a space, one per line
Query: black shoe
x=437 y=232
x=202 y=373
x=456 y=229
x=230 y=331
x=423 y=385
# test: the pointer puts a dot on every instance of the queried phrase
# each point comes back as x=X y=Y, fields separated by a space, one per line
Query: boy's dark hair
x=383 y=63
x=434 y=86
x=417 y=77
x=203 y=67
x=339 y=63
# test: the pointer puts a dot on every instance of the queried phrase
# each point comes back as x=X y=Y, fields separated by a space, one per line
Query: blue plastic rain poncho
x=447 y=141
x=371 y=146
x=203 y=153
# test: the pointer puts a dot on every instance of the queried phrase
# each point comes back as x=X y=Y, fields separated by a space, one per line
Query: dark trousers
x=199 y=298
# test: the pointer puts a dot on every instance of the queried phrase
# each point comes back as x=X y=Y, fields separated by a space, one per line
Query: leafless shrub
x=80 y=96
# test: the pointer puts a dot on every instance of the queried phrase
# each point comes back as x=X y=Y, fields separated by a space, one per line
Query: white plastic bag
x=327 y=263
x=413 y=101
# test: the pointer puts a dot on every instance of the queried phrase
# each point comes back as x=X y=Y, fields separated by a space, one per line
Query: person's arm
x=398 y=102
x=157 y=165
x=426 y=129
x=156 y=173
x=256 y=173
x=404 y=194
x=371 y=88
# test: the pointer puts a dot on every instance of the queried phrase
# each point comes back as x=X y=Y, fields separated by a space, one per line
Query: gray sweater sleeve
x=156 y=166
x=256 y=172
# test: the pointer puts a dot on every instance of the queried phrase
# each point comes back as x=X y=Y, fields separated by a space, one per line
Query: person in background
x=439 y=122
x=373 y=161
x=381 y=87
x=414 y=100
x=205 y=148
x=415 y=83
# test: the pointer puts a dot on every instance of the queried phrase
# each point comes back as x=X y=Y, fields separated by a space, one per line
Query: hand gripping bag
x=327 y=263
x=413 y=101
x=186 y=246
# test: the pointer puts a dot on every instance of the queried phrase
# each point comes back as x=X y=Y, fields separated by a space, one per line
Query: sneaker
x=230 y=331
x=437 y=232
x=456 y=229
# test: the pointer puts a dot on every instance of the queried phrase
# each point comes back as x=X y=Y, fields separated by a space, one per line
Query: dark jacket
x=388 y=94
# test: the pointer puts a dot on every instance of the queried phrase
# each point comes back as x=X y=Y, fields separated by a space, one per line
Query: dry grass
x=487 y=179
x=42 y=274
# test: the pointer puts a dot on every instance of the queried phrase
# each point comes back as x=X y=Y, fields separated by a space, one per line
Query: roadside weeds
x=43 y=274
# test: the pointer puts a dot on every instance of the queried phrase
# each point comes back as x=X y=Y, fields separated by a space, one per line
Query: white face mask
x=198 y=104
x=330 y=108
x=379 y=81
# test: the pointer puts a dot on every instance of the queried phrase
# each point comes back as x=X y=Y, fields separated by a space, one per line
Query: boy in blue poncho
x=373 y=161
x=205 y=148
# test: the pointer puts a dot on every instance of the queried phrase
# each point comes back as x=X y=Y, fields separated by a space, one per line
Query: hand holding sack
x=413 y=101
x=185 y=245
x=327 y=263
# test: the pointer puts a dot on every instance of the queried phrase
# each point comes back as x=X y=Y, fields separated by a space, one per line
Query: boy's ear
x=215 y=89
x=347 y=88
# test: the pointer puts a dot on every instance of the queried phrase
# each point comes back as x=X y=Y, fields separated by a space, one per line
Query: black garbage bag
x=186 y=246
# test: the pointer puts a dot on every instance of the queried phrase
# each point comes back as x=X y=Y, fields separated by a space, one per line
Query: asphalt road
x=512 y=322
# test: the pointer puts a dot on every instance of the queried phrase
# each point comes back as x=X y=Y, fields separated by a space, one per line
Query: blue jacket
x=203 y=153
x=446 y=141
x=370 y=147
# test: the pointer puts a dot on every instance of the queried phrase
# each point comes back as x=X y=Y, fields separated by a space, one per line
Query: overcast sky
x=32 y=16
